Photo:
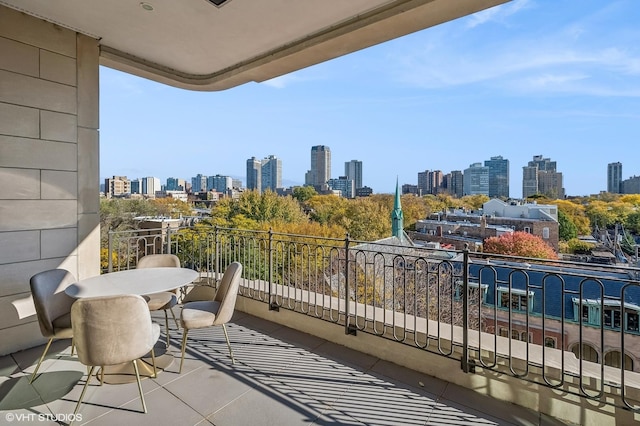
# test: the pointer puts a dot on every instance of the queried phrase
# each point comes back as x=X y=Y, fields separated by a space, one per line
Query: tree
x=576 y=213
x=253 y=209
x=519 y=244
x=304 y=193
x=568 y=229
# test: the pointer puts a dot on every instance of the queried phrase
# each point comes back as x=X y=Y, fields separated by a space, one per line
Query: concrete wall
x=49 y=164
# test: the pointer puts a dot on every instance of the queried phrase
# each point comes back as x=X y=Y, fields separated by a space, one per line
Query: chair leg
x=184 y=346
x=73 y=346
x=84 y=389
x=102 y=375
x=233 y=361
x=135 y=367
x=174 y=317
x=153 y=361
x=166 y=325
x=46 y=349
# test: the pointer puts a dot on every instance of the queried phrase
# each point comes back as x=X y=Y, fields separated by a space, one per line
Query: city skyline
x=522 y=79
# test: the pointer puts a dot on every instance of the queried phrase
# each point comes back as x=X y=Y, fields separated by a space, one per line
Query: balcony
x=526 y=340
x=281 y=376
x=309 y=353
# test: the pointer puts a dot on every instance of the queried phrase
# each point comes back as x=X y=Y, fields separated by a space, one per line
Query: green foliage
x=252 y=210
x=568 y=229
x=577 y=246
x=633 y=222
x=304 y=193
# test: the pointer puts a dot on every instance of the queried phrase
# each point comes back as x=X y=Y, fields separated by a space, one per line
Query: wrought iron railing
x=565 y=325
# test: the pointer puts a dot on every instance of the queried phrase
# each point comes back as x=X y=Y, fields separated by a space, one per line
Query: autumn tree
x=575 y=212
x=171 y=207
x=519 y=244
x=252 y=209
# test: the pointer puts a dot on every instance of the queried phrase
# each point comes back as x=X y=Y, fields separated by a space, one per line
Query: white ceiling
x=194 y=44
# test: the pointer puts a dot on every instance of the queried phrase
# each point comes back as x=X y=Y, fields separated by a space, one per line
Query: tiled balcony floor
x=281 y=377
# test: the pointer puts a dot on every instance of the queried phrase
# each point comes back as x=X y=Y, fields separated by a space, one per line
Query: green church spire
x=397 y=217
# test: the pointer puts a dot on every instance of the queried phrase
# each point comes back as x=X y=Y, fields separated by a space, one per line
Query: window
x=526 y=337
x=504 y=332
x=613 y=359
x=527 y=229
x=611 y=317
x=518 y=300
x=585 y=313
x=515 y=334
x=550 y=342
x=588 y=352
x=632 y=321
x=545 y=233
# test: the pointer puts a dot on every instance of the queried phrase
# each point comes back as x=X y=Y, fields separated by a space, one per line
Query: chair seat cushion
x=62 y=327
x=162 y=300
x=199 y=314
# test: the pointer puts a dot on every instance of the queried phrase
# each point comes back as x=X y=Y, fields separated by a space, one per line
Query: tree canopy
x=519 y=244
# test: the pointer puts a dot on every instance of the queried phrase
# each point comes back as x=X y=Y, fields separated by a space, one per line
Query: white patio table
x=134 y=281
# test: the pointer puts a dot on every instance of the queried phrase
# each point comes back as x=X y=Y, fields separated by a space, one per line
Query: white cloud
x=498 y=13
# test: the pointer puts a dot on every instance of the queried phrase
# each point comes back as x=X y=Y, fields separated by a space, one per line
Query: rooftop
x=281 y=376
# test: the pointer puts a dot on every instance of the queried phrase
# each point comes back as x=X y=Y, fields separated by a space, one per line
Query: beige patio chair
x=164 y=300
x=112 y=330
x=213 y=312
x=53 y=307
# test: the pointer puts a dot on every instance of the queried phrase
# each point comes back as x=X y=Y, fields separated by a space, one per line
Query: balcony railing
x=569 y=326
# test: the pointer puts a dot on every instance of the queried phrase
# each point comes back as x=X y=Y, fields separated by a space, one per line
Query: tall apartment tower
x=455 y=185
x=423 y=183
x=254 y=174
x=540 y=176
x=117 y=185
x=498 y=177
x=271 y=173
x=436 y=178
x=199 y=183
x=353 y=171
x=614 y=178
x=476 y=180
x=320 y=171
x=150 y=185
x=175 y=184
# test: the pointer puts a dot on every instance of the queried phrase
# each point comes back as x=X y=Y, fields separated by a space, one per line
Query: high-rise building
x=199 y=183
x=136 y=186
x=423 y=183
x=254 y=174
x=455 y=185
x=353 y=170
x=150 y=185
x=435 y=181
x=498 y=177
x=175 y=184
x=343 y=184
x=219 y=183
x=540 y=176
x=614 y=178
x=271 y=173
x=320 y=171
x=116 y=186
x=476 y=180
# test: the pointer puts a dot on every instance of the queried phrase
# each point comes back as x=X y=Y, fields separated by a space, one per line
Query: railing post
x=348 y=327
x=216 y=245
x=110 y=251
x=273 y=304
x=466 y=367
x=167 y=249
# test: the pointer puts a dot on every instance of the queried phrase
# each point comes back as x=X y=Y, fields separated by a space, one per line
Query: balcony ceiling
x=196 y=45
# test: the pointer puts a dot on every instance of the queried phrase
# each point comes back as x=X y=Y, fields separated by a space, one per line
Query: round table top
x=132 y=281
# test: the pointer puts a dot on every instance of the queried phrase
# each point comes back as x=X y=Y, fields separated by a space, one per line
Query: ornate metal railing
x=565 y=325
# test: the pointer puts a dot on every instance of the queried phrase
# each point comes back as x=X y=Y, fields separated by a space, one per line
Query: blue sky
x=555 y=78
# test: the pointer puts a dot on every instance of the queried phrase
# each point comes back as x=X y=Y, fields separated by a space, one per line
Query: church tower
x=397 y=217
